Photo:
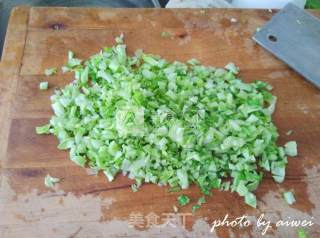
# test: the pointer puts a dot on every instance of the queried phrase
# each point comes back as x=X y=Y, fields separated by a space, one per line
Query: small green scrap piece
x=201 y=200
x=65 y=69
x=183 y=200
x=278 y=170
x=43 y=85
x=195 y=208
x=250 y=199
x=134 y=187
x=289 y=197
x=72 y=63
x=291 y=148
x=225 y=186
x=45 y=129
x=302 y=233
x=232 y=68
x=50 y=181
x=165 y=34
x=50 y=71
x=119 y=39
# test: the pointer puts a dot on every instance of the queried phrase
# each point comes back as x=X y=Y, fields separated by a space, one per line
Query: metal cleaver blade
x=293 y=35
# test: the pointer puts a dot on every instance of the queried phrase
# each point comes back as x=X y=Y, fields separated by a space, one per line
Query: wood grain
x=84 y=205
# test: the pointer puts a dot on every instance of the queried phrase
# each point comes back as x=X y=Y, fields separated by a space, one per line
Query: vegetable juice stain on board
x=31 y=172
x=225 y=22
x=220 y=26
x=47 y=213
x=56 y=203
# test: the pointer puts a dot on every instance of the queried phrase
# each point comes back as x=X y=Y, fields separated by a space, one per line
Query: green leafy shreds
x=288 y=133
x=232 y=68
x=195 y=208
x=119 y=39
x=43 y=85
x=201 y=201
x=71 y=64
x=50 y=181
x=289 y=197
x=51 y=71
x=291 y=148
x=168 y=123
x=183 y=200
x=134 y=187
x=250 y=199
x=165 y=34
x=302 y=233
x=45 y=129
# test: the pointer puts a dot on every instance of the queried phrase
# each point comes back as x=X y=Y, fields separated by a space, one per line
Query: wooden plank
x=10 y=66
x=83 y=205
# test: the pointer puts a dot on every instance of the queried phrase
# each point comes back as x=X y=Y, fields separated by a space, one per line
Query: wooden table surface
x=83 y=205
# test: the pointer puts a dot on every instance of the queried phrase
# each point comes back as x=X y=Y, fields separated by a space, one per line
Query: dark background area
x=7 y=5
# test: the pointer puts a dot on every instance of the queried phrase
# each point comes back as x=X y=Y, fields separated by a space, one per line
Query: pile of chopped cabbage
x=168 y=123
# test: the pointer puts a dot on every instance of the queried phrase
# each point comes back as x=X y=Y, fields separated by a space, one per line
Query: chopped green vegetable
x=232 y=68
x=134 y=187
x=278 y=171
x=43 y=85
x=288 y=196
x=198 y=205
x=182 y=176
x=195 y=208
x=45 y=129
x=51 y=71
x=291 y=148
x=72 y=63
x=302 y=233
x=119 y=39
x=50 y=181
x=165 y=34
x=289 y=133
x=201 y=201
x=167 y=123
x=251 y=200
x=183 y=200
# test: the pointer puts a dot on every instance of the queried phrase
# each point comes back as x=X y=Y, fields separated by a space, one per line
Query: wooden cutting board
x=83 y=205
